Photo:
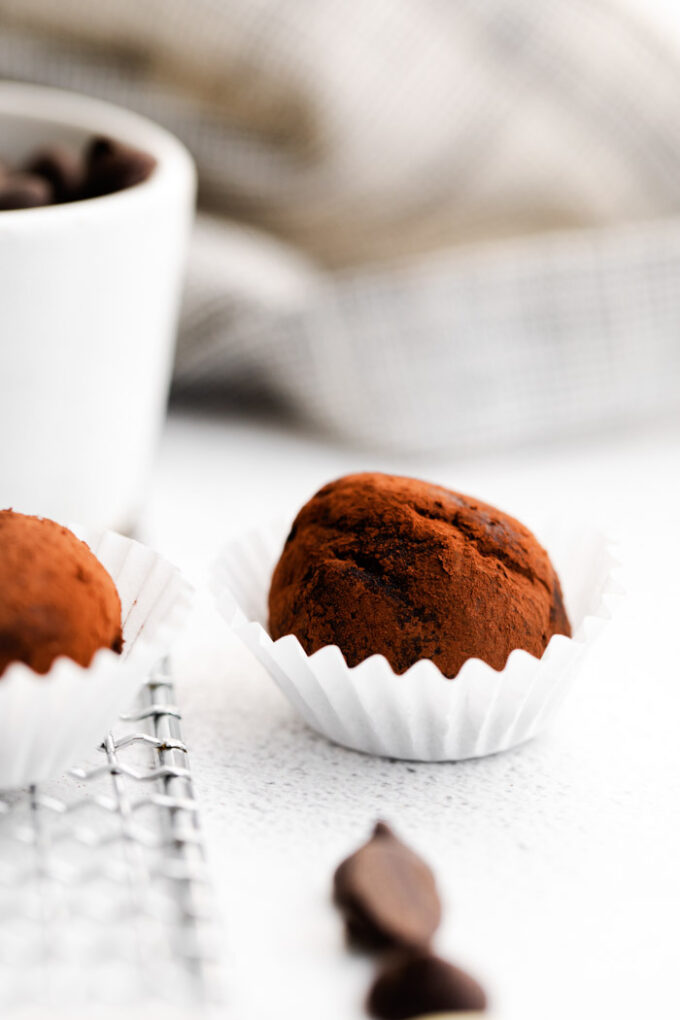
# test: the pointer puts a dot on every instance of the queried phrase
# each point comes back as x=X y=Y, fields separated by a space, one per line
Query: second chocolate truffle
x=56 y=598
x=381 y=564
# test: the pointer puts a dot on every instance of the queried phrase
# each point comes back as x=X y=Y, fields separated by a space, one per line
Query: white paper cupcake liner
x=421 y=715
x=48 y=722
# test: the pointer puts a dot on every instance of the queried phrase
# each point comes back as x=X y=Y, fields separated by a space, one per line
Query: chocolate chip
x=24 y=191
x=100 y=148
x=419 y=984
x=62 y=168
x=387 y=894
x=112 y=166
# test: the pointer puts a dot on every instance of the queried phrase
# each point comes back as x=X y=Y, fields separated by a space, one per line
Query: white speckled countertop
x=558 y=862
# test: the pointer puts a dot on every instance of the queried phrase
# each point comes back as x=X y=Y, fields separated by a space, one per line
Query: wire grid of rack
x=104 y=896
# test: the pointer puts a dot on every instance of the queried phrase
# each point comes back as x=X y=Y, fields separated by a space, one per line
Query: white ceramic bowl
x=89 y=295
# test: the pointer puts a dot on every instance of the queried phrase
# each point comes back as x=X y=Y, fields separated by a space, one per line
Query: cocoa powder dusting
x=56 y=598
x=382 y=564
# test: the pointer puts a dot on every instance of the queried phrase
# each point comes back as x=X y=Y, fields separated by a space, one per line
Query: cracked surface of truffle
x=56 y=598
x=377 y=563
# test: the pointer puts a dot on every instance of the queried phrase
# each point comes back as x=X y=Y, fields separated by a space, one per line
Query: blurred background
x=425 y=227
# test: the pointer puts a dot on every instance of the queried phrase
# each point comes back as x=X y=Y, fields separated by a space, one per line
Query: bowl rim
x=72 y=109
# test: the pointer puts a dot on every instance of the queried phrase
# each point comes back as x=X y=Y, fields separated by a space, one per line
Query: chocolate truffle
x=381 y=564
x=23 y=191
x=55 y=596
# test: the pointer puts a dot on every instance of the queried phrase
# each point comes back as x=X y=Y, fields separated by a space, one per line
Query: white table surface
x=558 y=862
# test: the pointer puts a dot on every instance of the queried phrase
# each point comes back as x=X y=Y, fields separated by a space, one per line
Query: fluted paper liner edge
x=421 y=715
x=48 y=722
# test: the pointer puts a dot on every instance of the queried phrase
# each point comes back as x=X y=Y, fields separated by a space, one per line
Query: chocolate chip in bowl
x=23 y=191
x=58 y=173
x=63 y=168
x=111 y=166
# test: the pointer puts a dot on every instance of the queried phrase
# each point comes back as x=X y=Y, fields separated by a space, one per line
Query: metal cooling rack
x=104 y=897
